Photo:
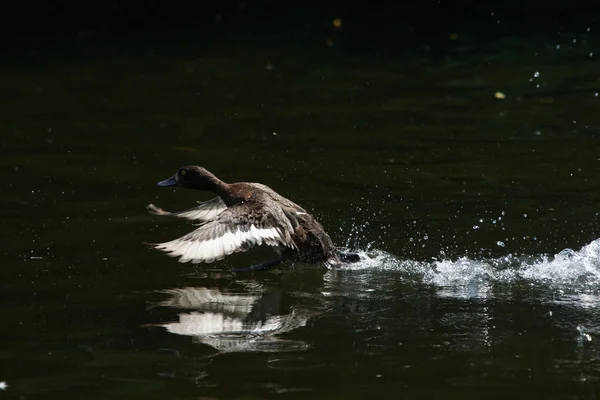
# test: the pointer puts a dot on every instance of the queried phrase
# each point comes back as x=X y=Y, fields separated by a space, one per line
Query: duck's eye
x=182 y=172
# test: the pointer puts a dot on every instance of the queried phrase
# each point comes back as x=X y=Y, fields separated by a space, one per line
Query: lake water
x=477 y=218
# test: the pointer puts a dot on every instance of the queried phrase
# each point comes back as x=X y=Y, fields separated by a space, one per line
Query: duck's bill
x=169 y=182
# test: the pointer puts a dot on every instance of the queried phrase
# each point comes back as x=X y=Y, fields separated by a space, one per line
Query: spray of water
x=569 y=268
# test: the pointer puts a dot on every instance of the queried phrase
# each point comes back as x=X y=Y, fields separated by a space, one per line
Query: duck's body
x=243 y=215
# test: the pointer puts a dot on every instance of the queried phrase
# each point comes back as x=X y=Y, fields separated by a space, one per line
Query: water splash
x=569 y=269
x=583 y=335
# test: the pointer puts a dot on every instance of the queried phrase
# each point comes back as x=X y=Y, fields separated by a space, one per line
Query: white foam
x=577 y=270
x=569 y=267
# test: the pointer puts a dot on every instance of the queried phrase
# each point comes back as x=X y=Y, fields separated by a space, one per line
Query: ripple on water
x=294 y=363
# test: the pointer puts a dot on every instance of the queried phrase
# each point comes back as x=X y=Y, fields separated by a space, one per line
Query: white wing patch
x=234 y=239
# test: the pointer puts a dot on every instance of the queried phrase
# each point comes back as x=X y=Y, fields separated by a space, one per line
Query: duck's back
x=313 y=243
x=276 y=197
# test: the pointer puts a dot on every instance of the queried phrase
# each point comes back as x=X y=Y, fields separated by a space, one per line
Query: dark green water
x=460 y=201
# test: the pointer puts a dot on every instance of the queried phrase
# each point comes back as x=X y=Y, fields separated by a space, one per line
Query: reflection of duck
x=235 y=322
x=247 y=214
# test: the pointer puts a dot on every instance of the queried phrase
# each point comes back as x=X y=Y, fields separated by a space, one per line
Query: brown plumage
x=242 y=216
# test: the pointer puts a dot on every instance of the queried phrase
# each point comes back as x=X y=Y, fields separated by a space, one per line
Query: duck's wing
x=235 y=229
x=204 y=211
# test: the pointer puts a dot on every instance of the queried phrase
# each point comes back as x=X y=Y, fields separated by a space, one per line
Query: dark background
x=378 y=23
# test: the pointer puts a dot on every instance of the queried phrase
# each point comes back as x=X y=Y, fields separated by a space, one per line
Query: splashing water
x=568 y=269
x=583 y=335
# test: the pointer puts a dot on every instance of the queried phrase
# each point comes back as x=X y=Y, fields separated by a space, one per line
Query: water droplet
x=558 y=47
x=536 y=75
x=475 y=227
x=583 y=334
x=501 y=244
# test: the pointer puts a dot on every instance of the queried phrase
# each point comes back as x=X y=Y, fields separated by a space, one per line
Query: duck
x=244 y=215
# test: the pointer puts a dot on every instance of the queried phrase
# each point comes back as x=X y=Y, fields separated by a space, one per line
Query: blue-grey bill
x=169 y=182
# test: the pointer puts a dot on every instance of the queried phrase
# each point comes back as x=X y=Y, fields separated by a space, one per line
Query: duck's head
x=192 y=177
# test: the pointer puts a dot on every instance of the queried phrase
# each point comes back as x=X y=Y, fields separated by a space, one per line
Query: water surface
x=476 y=217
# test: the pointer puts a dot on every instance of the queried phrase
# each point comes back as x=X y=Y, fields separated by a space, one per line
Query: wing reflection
x=235 y=322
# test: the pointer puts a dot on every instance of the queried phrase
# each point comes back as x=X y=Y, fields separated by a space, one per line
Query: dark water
x=464 y=205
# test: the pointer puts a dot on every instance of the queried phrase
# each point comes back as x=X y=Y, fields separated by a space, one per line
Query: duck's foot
x=348 y=257
x=259 y=267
